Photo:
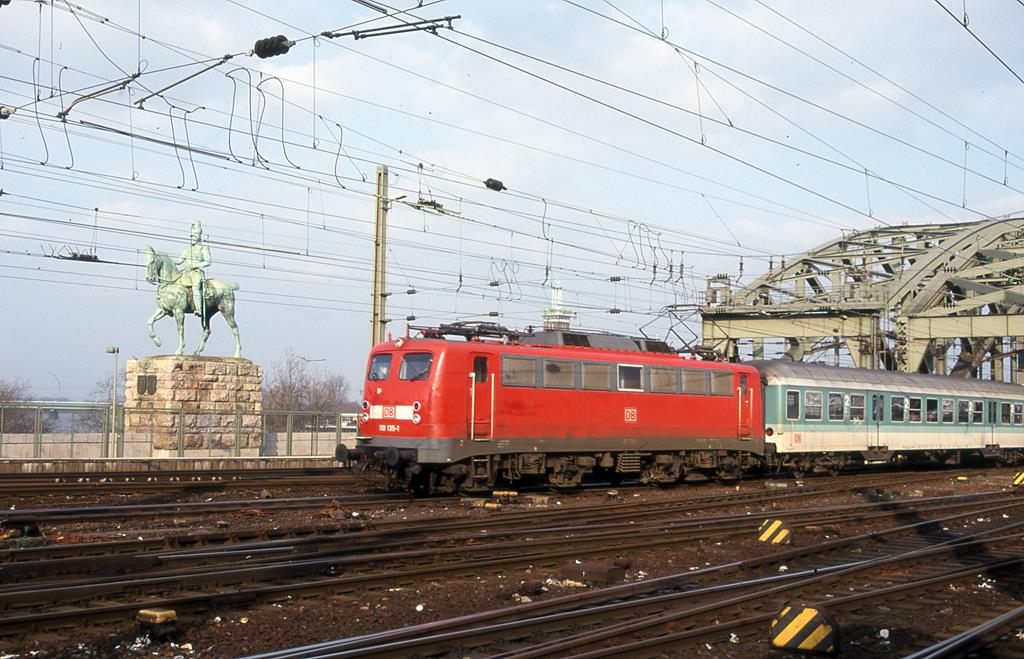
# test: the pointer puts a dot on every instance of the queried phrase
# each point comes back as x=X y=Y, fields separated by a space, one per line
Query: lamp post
x=113 y=350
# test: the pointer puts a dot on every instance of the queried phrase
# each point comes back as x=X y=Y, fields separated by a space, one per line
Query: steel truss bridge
x=935 y=298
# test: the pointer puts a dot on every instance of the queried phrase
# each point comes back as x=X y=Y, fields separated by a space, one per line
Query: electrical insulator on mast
x=272 y=46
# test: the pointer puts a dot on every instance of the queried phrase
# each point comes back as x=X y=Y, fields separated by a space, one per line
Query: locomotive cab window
x=897 y=406
x=664 y=380
x=812 y=405
x=856 y=407
x=631 y=378
x=380 y=367
x=416 y=366
x=914 y=410
x=836 y=406
x=518 y=372
x=931 y=410
x=792 y=405
x=721 y=383
x=947 y=410
x=559 y=374
x=480 y=373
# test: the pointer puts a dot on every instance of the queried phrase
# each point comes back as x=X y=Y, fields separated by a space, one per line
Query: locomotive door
x=481 y=398
x=745 y=403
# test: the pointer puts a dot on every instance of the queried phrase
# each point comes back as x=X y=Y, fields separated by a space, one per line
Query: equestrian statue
x=189 y=291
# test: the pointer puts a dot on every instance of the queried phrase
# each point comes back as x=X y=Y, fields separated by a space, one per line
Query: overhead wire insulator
x=495 y=184
x=272 y=46
x=4 y=2
x=5 y=112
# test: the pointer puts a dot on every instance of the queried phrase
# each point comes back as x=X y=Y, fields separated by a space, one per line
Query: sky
x=644 y=147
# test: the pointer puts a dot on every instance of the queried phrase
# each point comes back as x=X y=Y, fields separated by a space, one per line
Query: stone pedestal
x=190 y=406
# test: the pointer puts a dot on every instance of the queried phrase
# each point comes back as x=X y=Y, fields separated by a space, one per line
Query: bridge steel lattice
x=908 y=298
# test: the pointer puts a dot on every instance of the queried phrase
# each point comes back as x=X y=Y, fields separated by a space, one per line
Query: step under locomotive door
x=481 y=398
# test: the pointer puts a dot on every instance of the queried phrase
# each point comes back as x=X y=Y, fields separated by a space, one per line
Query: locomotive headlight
x=364 y=417
x=416 y=406
x=416 y=418
x=399 y=343
x=365 y=405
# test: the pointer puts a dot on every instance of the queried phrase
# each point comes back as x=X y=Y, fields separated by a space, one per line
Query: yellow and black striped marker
x=775 y=532
x=805 y=628
x=1018 y=479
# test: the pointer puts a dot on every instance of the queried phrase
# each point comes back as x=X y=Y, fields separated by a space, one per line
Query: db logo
x=389 y=412
x=630 y=415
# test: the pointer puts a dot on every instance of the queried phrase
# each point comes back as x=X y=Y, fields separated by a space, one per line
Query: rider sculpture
x=196 y=258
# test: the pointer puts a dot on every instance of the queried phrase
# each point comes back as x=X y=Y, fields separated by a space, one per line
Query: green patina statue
x=189 y=291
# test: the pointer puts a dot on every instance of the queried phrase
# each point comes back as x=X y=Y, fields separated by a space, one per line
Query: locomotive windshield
x=415 y=366
x=380 y=367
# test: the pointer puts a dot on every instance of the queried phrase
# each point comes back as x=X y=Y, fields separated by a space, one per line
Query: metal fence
x=54 y=431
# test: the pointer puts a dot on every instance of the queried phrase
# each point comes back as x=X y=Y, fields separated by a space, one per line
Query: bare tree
x=16 y=420
x=293 y=385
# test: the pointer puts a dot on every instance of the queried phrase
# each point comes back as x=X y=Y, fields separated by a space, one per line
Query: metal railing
x=59 y=430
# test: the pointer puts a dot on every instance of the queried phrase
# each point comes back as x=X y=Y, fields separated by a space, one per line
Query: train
x=466 y=408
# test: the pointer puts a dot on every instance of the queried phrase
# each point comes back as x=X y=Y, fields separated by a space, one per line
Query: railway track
x=61 y=589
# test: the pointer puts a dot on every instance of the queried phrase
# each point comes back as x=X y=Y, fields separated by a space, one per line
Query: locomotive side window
x=721 y=383
x=1004 y=414
x=856 y=407
x=380 y=367
x=664 y=380
x=631 y=378
x=416 y=366
x=597 y=376
x=812 y=405
x=963 y=411
x=1018 y=414
x=518 y=372
x=792 y=405
x=977 y=411
x=947 y=410
x=897 y=404
x=931 y=410
x=914 y=410
x=695 y=382
x=835 y=407
x=559 y=374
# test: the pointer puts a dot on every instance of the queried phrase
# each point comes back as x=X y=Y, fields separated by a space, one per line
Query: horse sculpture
x=173 y=299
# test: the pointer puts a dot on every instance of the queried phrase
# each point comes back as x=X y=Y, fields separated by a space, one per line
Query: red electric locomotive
x=466 y=407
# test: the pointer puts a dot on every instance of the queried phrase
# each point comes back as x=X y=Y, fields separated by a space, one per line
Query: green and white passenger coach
x=821 y=418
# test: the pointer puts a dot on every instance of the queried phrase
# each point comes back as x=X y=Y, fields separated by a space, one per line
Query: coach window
x=664 y=380
x=856 y=407
x=695 y=381
x=897 y=405
x=597 y=376
x=977 y=411
x=631 y=378
x=931 y=410
x=721 y=383
x=963 y=411
x=947 y=410
x=914 y=410
x=518 y=372
x=812 y=405
x=1004 y=414
x=792 y=405
x=416 y=366
x=380 y=367
x=835 y=407
x=1018 y=414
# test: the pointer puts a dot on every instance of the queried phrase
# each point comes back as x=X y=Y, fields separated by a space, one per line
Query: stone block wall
x=203 y=400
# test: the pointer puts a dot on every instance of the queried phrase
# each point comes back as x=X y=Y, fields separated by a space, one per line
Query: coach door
x=877 y=416
x=481 y=397
x=745 y=401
